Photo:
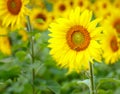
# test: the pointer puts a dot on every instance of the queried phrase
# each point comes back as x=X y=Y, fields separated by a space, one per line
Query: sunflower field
x=59 y=46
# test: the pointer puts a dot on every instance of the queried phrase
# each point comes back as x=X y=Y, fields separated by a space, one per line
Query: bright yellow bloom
x=110 y=45
x=40 y=18
x=13 y=12
x=110 y=42
x=60 y=8
x=102 y=8
x=83 y=4
x=113 y=20
x=4 y=42
x=71 y=3
x=116 y=3
x=74 y=40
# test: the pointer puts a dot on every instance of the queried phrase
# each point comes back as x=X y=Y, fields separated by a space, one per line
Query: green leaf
x=39 y=20
x=6 y=60
x=101 y=91
x=10 y=73
x=33 y=33
x=21 y=55
x=1 y=83
x=53 y=86
x=37 y=36
x=117 y=91
x=107 y=80
x=38 y=66
x=86 y=82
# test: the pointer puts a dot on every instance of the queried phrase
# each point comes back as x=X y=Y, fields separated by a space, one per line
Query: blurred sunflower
x=40 y=18
x=110 y=46
x=52 y=16
x=61 y=8
x=113 y=20
x=102 y=8
x=116 y=3
x=13 y=12
x=83 y=4
x=71 y=3
x=73 y=40
x=5 y=46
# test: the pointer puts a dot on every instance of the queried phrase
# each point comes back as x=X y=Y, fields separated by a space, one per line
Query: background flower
x=13 y=12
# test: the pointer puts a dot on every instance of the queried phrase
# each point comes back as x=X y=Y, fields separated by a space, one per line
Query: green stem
x=92 y=84
x=32 y=52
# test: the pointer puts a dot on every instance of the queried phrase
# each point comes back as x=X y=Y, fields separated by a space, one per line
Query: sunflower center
x=71 y=3
x=41 y=16
x=114 y=44
x=14 y=6
x=80 y=3
x=104 y=5
x=62 y=7
x=117 y=25
x=78 y=38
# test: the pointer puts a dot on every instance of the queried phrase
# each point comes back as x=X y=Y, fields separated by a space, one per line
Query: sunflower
x=71 y=3
x=40 y=18
x=13 y=12
x=116 y=3
x=110 y=45
x=113 y=20
x=61 y=8
x=102 y=8
x=83 y=4
x=5 y=46
x=74 y=40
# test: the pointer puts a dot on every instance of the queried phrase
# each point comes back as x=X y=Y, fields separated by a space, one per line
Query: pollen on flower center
x=14 y=6
x=117 y=25
x=114 y=44
x=78 y=38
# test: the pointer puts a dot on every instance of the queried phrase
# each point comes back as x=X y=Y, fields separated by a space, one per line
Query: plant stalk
x=29 y=28
x=92 y=84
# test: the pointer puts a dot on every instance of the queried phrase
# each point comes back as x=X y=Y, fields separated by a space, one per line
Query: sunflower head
x=116 y=25
x=40 y=18
x=61 y=7
x=13 y=12
x=116 y=3
x=110 y=45
x=14 y=6
x=102 y=8
x=73 y=40
x=78 y=38
x=83 y=4
x=113 y=20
